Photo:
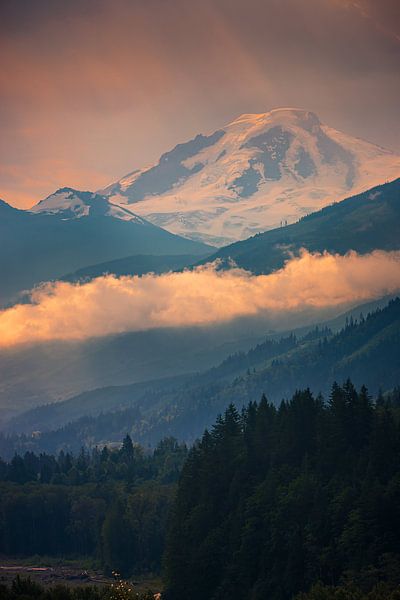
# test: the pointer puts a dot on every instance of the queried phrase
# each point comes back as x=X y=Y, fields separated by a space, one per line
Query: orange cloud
x=205 y=296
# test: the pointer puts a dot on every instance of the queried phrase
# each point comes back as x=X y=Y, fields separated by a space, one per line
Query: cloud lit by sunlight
x=110 y=305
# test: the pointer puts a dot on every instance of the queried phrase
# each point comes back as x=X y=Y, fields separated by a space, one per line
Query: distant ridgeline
x=365 y=349
x=273 y=501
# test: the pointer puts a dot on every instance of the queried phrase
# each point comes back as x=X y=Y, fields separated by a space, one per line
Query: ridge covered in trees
x=365 y=349
x=273 y=501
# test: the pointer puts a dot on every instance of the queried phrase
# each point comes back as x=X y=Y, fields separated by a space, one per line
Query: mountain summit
x=75 y=204
x=258 y=172
x=72 y=230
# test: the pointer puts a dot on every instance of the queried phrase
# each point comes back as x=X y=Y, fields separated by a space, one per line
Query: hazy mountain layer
x=364 y=350
x=70 y=230
x=134 y=265
x=50 y=372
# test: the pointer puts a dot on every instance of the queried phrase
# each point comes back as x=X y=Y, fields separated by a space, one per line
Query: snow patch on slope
x=73 y=204
x=257 y=172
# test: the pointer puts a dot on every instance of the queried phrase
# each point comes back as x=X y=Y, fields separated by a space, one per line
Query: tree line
x=109 y=505
x=296 y=501
x=128 y=463
x=273 y=501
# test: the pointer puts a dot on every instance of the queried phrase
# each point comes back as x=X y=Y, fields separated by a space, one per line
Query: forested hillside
x=364 y=223
x=273 y=501
x=366 y=350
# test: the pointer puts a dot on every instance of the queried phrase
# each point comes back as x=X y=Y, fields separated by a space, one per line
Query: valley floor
x=69 y=572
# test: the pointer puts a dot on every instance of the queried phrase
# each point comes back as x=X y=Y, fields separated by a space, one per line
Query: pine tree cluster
x=274 y=500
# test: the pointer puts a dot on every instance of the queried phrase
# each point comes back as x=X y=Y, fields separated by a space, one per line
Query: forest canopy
x=273 y=501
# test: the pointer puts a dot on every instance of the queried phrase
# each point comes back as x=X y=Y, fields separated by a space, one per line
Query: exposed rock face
x=252 y=175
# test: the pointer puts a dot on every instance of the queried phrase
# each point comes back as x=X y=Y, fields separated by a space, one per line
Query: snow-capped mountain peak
x=75 y=204
x=255 y=173
x=294 y=115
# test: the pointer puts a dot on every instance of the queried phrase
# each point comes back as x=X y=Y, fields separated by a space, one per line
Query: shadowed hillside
x=362 y=223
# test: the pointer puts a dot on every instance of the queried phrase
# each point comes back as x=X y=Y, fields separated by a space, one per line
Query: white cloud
x=109 y=305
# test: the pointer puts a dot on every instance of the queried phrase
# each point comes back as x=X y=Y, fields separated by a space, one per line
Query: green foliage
x=124 y=590
x=273 y=500
x=26 y=589
x=110 y=505
x=129 y=463
x=119 y=528
x=381 y=591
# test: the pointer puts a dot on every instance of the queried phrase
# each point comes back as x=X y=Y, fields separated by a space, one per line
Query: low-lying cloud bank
x=109 y=305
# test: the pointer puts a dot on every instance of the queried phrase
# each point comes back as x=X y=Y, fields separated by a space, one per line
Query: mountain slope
x=71 y=230
x=46 y=374
x=134 y=265
x=363 y=223
x=252 y=175
x=68 y=203
x=50 y=372
x=365 y=350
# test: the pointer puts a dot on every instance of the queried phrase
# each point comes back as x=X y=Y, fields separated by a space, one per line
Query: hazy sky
x=92 y=89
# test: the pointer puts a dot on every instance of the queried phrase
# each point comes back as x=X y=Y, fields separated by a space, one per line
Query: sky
x=93 y=89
